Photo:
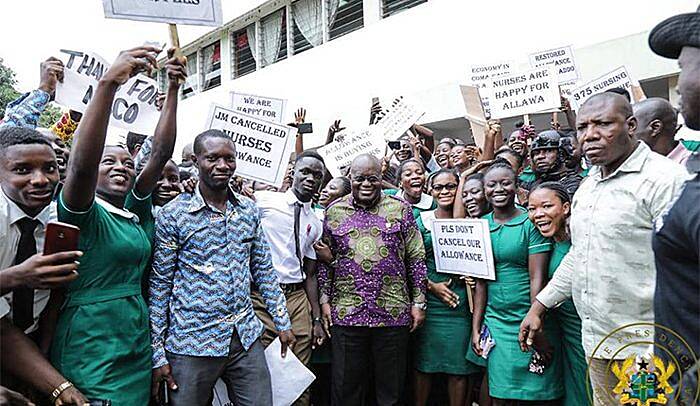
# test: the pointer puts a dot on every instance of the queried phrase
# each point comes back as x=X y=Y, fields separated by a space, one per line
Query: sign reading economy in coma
x=263 y=148
x=526 y=92
x=480 y=76
x=189 y=12
x=463 y=247
x=134 y=106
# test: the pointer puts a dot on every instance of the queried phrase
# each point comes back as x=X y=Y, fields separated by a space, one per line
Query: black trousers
x=359 y=353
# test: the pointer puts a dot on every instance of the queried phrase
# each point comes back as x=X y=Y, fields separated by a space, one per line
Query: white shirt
x=277 y=220
x=609 y=271
x=10 y=213
x=425 y=202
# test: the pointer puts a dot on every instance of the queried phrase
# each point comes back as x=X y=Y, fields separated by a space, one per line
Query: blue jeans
x=244 y=372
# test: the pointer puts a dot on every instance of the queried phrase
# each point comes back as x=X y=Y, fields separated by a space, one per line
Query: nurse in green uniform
x=521 y=256
x=442 y=342
x=411 y=185
x=101 y=340
x=548 y=207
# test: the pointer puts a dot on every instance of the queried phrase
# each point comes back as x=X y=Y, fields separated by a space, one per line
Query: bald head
x=366 y=180
x=608 y=101
x=656 y=118
x=366 y=162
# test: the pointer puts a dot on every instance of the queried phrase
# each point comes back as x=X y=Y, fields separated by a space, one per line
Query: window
x=307 y=24
x=191 y=85
x=211 y=66
x=346 y=18
x=243 y=60
x=273 y=35
x=391 y=7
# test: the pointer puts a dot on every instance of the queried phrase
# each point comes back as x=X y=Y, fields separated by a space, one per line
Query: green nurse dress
x=442 y=342
x=569 y=325
x=102 y=338
x=507 y=304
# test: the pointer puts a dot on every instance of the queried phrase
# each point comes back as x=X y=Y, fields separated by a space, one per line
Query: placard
x=563 y=61
x=397 y=119
x=475 y=113
x=463 y=247
x=481 y=75
x=189 y=12
x=134 y=105
x=348 y=145
x=263 y=148
x=524 y=93
x=267 y=108
x=616 y=78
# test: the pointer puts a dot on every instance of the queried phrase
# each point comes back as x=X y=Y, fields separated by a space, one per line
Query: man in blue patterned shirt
x=208 y=247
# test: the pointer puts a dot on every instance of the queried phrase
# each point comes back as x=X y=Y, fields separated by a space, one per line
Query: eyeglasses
x=450 y=187
x=370 y=179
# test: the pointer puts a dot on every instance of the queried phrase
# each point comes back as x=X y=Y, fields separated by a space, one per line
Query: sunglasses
x=449 y=187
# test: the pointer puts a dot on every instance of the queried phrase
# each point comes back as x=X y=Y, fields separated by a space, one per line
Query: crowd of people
x=185 y=273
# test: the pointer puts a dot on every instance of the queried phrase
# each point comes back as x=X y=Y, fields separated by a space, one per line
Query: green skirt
x=573 y=357
x=441 y=344
x=104 y=347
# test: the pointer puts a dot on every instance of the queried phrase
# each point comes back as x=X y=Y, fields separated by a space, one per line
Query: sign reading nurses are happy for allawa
x=134 y=105
x=263 y=148
x=525 y=92
x=188 y=12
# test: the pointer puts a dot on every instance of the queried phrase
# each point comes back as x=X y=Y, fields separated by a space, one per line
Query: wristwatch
x=422 y=306
x=317 y=320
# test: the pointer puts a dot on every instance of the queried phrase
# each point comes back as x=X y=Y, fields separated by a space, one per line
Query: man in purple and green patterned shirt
x=373 y=293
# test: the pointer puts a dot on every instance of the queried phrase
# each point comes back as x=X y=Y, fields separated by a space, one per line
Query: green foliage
x=50 y=115
x=7 y=87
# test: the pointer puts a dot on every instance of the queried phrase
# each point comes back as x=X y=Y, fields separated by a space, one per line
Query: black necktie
x=23 y=298
x=297 y=220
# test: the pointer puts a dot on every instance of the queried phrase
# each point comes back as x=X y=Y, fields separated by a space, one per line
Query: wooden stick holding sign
x=175 y=41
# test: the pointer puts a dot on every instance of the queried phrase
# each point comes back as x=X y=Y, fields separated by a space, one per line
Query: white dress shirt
x=277 y=220
x=609 y=271
x=10 y=213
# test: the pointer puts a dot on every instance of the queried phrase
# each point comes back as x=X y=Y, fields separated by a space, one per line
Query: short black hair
x=134 y=139
x=406 y=162
x=509 y=151
x=506 y=166
x=11 y=136
x=621 y=91
x=475 y=176
x=199 y=139
x=442 y=171
x=309 y=154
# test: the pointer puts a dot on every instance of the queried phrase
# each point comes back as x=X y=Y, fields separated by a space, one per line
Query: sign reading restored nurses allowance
x=524 y=93
x=267 y=108
x=134 y=105
x=350 y=144
x=561 y=58
x=463 y=247
x=480 y=76
x=263 y=148
x=616 y=78
x=189 y=12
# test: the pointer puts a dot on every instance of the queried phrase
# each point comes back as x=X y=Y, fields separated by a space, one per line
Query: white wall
x=425 y=51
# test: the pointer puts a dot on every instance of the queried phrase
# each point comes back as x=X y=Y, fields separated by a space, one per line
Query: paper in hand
x=289 y=376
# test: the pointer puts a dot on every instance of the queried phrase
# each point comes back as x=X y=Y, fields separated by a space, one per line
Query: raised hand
x=132 y=62
x=51 y=74
x=300 y=116
x=175 y=68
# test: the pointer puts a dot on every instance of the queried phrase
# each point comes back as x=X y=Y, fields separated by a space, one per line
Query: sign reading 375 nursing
x=189 y=12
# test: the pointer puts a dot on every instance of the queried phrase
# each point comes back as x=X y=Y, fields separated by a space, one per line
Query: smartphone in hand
x=61 y=237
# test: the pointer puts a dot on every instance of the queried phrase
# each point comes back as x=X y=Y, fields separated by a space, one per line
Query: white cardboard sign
x=480 y=76
x=398 y=118
x=463 y=247
x=616 y=78
x=350 y=144
x=263 y=148
x=561 y=58
x=134 y=105
x=524 y=93
x=267 y=108
x=188 y=12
